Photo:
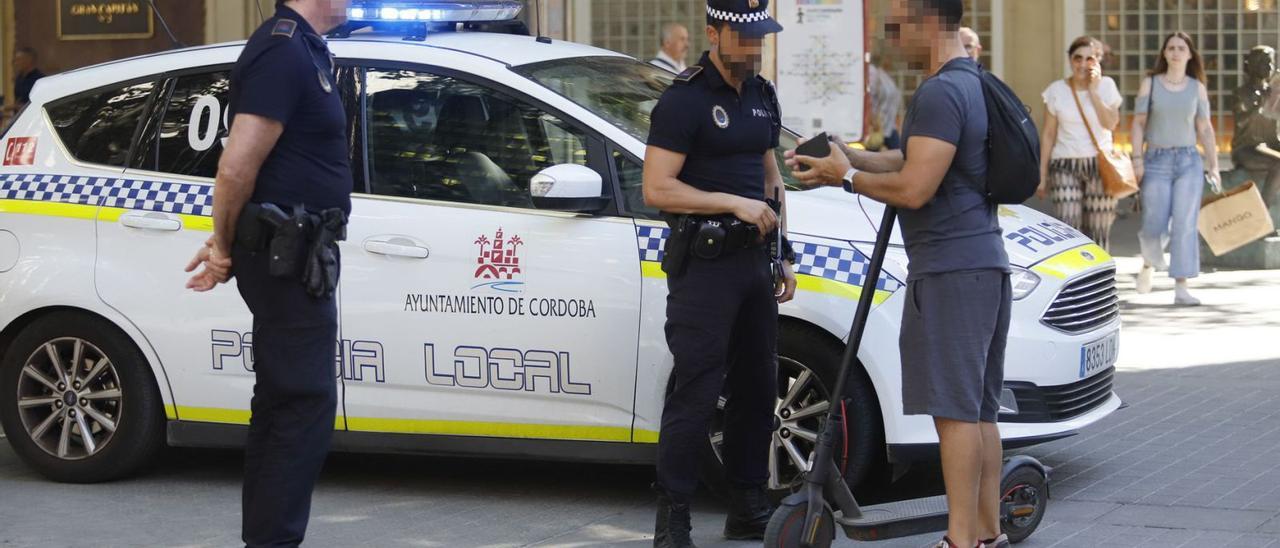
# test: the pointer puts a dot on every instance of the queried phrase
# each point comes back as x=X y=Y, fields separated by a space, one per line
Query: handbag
x=1114 y=167
x=1233 y=219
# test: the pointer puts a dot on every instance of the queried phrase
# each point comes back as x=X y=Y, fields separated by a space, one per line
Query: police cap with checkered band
x=750 y=18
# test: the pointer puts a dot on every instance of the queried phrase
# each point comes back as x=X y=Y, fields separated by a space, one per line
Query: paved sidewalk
x=1191 y=462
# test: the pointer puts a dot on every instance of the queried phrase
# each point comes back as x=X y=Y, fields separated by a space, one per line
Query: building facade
x=1025 y=40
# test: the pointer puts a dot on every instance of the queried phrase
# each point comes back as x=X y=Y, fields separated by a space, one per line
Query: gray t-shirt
x=958 y=228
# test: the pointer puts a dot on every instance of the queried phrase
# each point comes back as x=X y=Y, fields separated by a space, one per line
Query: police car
x=501 y=292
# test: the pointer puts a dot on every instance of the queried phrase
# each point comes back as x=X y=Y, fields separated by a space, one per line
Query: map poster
x=821 y=76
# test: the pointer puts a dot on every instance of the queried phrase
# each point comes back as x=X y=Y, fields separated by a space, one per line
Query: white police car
x=501 y=292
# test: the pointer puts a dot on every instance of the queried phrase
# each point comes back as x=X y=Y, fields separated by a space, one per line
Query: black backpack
x=1013 y=143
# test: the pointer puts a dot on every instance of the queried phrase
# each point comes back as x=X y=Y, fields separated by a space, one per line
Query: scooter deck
x=897 y=519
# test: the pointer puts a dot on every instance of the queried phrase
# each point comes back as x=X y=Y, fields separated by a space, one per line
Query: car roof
x=507 y=49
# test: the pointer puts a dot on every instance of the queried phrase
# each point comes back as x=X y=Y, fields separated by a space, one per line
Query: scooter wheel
x=786 y=527
x=1026 y=496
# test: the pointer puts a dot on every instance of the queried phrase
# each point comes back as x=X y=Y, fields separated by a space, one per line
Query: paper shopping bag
x=1230 y=220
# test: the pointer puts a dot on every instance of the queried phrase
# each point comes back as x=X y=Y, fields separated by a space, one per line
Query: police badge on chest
x=720 y=117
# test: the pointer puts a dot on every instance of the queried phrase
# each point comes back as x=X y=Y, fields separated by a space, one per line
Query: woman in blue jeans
x=1172 y=114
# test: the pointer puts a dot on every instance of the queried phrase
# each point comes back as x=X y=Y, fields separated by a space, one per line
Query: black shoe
x=749 y=513
x=672 y=527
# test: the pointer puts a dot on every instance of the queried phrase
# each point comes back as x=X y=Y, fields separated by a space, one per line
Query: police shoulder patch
x=689 y=74
x=285 y=28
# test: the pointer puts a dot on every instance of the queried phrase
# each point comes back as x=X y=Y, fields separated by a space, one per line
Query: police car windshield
x=621 y=90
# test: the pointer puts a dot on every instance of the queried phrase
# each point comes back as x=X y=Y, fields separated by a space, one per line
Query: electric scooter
x=809 y=517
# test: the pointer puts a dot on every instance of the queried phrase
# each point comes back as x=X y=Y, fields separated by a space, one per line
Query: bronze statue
x=1256 y=144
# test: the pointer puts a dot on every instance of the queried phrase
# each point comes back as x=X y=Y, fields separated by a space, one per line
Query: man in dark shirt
x=288 y=149
x=710 y=164
x=956 y=317
x=25 y=76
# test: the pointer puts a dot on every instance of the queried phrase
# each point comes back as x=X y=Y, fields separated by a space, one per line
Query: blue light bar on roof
x=426 y=11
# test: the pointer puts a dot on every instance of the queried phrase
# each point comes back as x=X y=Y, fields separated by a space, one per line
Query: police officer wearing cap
x=710 y=167
x=280 y=203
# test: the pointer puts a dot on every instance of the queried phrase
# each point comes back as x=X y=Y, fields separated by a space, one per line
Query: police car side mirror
x=568 y=187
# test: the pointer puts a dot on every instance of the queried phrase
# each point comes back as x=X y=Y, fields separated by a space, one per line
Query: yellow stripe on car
x=49 y=209
x=434 y=427
x=804 y=282
x=1073 y=261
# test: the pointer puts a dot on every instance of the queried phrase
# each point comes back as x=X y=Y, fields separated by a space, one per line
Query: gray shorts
x=954 y=330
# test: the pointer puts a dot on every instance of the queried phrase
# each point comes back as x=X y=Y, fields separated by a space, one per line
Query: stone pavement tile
x=1077 y=511
x=1185 y=517
x=1272 y=526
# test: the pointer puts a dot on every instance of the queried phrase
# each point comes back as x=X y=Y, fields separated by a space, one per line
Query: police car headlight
x=1024 y=282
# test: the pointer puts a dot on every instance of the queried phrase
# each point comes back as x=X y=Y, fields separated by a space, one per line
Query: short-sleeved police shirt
x=722 y=134
x=286 y=74
x=958 y=229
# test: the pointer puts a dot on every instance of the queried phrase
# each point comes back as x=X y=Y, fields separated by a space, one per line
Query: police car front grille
x=1040 y=404
x=1085 y=303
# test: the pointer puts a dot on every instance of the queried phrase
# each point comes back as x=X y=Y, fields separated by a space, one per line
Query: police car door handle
x=396 y=247
x=151 y=221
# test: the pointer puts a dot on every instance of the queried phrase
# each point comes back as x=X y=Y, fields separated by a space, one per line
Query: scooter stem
x=823 y=463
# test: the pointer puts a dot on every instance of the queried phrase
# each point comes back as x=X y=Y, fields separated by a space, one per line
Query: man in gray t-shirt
x=955 y=318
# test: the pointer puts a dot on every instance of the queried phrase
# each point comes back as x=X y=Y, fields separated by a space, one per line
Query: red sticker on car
x=20 y=151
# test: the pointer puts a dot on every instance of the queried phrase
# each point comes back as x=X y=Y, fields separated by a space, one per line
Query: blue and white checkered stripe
x=183 y=198
x=840 y=264
x=166 y=197
x=844 y=265
x=651 y=240
x=53 y=188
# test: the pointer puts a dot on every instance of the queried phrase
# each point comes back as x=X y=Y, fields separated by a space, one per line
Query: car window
x=186 y=136
x=440 y=138
x=191 y=131
x=622 y=91
x=99 y=127
x=630 y=178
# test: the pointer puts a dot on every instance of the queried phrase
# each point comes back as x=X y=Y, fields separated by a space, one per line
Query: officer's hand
x=755 y=212
x=217 y=268
x=786 y=287
x=827 y=171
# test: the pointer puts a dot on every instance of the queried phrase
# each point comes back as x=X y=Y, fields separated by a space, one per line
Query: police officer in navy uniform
x=285 y=161
x=710 y=167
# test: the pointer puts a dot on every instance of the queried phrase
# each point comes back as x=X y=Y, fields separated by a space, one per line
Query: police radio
x=775 y=246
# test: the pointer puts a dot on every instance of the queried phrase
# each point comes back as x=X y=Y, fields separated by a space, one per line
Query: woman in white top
x=1068 y=157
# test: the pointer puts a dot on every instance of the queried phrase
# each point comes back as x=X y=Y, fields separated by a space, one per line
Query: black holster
x=301 y=245
x=675 y=254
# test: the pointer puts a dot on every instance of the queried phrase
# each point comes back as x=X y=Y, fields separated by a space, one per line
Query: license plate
x=1099 y=355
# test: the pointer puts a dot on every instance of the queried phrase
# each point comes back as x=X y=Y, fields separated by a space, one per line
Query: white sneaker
x=1182 y=297
x=1144 y=279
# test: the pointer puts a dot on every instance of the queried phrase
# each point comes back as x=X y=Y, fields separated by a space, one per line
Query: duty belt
x=302 y=245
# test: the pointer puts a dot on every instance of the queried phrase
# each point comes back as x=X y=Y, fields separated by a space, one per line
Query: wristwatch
x=847 y=182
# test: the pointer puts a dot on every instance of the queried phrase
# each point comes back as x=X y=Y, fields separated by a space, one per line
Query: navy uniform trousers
x=294 y=401
x=722 y=328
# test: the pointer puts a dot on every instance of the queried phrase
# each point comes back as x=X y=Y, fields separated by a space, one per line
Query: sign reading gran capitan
x=104 y=19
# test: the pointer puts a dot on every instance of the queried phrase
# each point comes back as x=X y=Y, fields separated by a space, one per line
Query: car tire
x=112 y=396
x=803 y=347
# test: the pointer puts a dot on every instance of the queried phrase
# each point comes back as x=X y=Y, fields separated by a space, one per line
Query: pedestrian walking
x=674 y=47
x=886 y=103
x=1078 y=109
x=26 y=73
x=281 y=198
x=1172 y=116
x=956 y=322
